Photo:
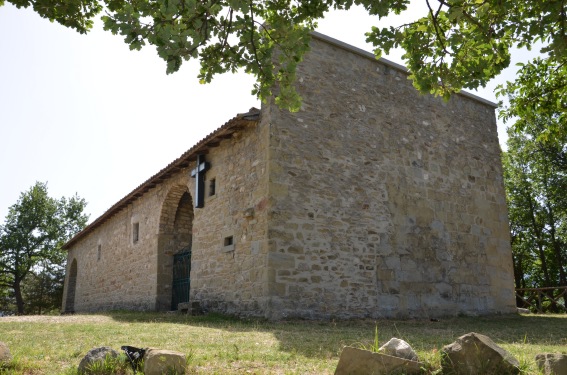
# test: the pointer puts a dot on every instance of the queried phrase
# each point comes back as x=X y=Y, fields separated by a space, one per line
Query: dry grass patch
x=220 y=345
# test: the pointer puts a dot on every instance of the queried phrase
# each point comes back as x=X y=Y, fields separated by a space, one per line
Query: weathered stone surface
x=474 y=353
x=398 y=348
x=371 y=194
x=160 y=361
x=397 y=203
x=95 y=355
x=355 y=361
x=190 y=308
x=5 y=355
x=125 y=274
x=552 y=363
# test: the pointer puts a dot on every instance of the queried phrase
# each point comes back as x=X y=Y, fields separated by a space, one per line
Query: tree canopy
x=456 y=44
x=32 y=235
x=536 y=181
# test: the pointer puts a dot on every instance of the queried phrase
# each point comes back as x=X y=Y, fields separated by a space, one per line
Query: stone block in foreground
x=160 y=361
x=355 y=361
x=474 y=353
x=552 y=363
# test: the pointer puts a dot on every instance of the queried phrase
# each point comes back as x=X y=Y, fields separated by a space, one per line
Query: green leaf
x=464 y=44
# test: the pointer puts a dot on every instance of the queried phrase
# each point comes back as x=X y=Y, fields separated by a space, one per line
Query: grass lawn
x=220 y=345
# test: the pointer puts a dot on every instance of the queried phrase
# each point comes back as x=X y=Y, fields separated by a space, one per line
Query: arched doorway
x=71 y=288
x=174 y=249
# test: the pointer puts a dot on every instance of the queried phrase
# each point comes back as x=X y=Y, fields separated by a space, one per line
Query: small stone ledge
x=190 y=308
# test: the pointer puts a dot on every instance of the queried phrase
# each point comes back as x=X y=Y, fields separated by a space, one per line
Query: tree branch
x=437 y=28
x=254 y=50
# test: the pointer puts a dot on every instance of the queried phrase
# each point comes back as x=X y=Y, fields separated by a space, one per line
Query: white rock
x=398 y=348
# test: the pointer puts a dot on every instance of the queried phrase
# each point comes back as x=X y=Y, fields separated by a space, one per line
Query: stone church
x=371 y=201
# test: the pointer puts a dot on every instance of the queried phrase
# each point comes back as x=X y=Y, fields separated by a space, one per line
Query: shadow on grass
x=322 y=339
x=221 y=344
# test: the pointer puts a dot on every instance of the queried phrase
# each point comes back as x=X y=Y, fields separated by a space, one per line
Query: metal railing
x=543 y=300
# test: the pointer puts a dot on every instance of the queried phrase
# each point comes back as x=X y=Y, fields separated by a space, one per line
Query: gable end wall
x=384 y=202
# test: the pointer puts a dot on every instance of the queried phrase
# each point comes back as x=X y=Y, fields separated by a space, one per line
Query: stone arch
x=175 y=236
x=71 y=288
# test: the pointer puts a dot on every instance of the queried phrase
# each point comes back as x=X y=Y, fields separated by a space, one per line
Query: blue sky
x=91 y=117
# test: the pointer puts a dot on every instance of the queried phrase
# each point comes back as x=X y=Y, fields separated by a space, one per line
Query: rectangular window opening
x=212 y=187
x=229 y=241
x=135 y=232
x=98 y=255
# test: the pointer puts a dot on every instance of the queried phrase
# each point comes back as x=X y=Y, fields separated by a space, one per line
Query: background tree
x=31 y=238
x=42 y=288
x=538 y=97
x=536 y=181
x=6 y=300
x=456 y=44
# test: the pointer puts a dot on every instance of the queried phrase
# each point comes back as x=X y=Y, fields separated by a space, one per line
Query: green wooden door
x=181 y=278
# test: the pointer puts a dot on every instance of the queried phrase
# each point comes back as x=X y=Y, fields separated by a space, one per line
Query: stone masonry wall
x=123 y=276
x=372 y=201
x=137 y=275
x=384 y=202
x=232 y=279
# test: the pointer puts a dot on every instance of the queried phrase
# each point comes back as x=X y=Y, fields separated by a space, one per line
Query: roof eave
x=210 y=141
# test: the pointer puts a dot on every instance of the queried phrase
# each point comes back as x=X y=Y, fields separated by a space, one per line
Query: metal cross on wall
x=199 y=174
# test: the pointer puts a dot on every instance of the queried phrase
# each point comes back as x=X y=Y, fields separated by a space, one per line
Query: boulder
x=355 y=361
x=95 y=355
x=474 y=353
x=159 y=361
x=398 y=348
x=552 y=363
x=5 y=355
